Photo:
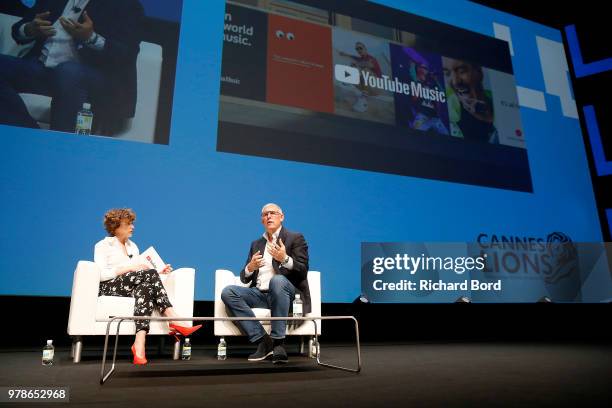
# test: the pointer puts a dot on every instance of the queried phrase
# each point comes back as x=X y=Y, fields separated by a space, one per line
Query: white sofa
x=148 y=66
x=89 y=313
x=225 y=278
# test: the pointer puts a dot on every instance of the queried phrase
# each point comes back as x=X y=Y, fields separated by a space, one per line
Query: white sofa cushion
x=108 y=306
x=225 y=278
x=89 y=312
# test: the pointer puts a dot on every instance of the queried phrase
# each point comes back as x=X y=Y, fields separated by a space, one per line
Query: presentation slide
x=383 y=129
x=440 y=106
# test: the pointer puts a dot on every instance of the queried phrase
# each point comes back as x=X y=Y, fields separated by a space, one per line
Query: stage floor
x=474 y=374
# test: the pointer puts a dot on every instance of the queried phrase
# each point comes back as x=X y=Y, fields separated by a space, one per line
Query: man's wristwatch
x=92 y=39
x=285 y=261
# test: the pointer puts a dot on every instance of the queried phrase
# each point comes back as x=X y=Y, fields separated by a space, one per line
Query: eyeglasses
x=272 y=213
x=359 y=48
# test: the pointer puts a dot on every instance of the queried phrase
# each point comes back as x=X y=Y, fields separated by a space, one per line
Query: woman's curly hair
x=114 y=216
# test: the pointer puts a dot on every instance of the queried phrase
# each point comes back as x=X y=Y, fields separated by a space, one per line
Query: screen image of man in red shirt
x=364 y=62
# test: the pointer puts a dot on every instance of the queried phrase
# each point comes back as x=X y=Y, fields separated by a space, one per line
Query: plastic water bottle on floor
x=84 y=120
x=222 y=349
x=48 y=352
x=298 y=306
x=186 y=354
x=313 y=348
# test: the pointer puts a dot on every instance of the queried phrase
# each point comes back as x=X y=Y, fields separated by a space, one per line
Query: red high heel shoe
x=138 y=360
x=184 y=330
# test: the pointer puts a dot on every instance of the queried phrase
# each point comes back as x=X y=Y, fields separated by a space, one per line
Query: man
x=363 y=60
x=82 y=51
x=470 y=105
x=426 y=112
x=367 y=63
x=276 y=268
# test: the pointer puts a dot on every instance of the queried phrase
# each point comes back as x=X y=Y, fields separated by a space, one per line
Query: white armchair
x=224 y=278
x=89 y=313
x=8 y=46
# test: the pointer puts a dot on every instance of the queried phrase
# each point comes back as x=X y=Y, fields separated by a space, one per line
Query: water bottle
x=298 y=306
x=186 y=353
x=313 y=347
x=48 y=352
x=222 y=349
x=84 y=120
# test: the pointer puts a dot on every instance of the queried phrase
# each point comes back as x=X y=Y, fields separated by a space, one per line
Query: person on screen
x=124 y=274
x=276 y=269
x=426 y=112
x=364 y=62
x=470 y=105
x=82 y=51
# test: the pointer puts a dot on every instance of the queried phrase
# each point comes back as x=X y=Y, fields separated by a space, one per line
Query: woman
x=125 y=274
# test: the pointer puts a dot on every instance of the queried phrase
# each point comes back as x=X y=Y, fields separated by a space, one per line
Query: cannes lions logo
x=563 y=256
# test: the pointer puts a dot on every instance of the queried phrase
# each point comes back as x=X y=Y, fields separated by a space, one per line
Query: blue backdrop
x=201 y=208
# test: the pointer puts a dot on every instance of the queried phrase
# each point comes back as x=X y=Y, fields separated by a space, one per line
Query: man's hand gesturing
x=256 y=262
x=278 y=252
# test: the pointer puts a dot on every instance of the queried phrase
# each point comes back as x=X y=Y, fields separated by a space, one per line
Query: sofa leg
x=161 y=345
x=77 y=348
x=302 y=345
x=177 y=350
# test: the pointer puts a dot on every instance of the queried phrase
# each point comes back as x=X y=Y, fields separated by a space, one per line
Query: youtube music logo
x=352 y=75
x=349 y=75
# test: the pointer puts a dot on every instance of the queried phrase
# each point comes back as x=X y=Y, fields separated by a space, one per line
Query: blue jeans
x=240 y=300
x=69 y=84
